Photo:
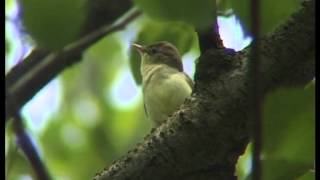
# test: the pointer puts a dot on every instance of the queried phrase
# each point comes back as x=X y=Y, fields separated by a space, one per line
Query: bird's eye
x=153 y=51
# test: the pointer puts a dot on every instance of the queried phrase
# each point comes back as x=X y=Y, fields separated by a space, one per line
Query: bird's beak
x=139 y=48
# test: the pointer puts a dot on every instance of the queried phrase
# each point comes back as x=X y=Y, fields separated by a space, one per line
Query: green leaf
x=9 y=5
x=310 y=175
x=278 y=169
x=200 y=13
x=224 y=5
x=289 y=132
x=53 y=24
x=242 y=167
x=273 y=13
x=179 y=34
x=7 y=47
x=100 y=64
x=107 y=53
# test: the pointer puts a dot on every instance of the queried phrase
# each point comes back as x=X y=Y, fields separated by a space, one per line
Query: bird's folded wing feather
x=145 y=109
x=189 y=80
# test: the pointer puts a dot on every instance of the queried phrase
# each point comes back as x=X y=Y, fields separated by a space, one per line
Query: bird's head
x=160 y=53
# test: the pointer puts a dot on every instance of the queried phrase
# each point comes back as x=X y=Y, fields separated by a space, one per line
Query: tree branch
x=99 y=13
x=22 y=90
x=26 y=145
x=205 y=137
x=35 y=57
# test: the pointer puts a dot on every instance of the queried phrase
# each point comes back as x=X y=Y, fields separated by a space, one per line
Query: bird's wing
x=145 y=109
x=144 y=104
x=189 y=80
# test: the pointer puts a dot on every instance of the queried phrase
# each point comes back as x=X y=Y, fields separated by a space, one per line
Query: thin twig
x=255 y=89
x=22 y=90
x=98 y=14
x=26 y=145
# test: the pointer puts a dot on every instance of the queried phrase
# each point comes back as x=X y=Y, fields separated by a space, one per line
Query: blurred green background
x=92 y=113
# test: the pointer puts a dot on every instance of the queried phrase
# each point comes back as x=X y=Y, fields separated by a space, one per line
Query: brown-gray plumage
x=166 y=53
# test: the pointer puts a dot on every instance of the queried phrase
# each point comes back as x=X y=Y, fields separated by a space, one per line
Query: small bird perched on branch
x=165 y=85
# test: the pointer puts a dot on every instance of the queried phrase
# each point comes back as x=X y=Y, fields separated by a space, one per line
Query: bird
x=165 y=85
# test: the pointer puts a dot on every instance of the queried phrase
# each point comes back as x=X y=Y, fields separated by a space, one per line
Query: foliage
x=7 y=46
x=273 y=12
x=289 y=133
x=53 y=24
x=288 y=149
x=90 y=130
x=199 y=13
x=310 y=175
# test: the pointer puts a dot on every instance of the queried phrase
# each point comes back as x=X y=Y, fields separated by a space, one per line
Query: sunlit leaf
x=244 y=163
x=7 y=46
x=102 y=61
x=9 y=5
x=278 y=169
x=200 y=13
x=53 y=24
x=310 y=175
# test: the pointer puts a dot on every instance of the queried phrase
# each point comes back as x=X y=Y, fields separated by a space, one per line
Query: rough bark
x=205 y=137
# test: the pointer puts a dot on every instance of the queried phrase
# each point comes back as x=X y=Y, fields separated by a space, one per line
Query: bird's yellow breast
x=165 y=89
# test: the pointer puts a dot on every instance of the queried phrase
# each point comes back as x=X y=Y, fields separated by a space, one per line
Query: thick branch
x=205 y=137
x=18 y=93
